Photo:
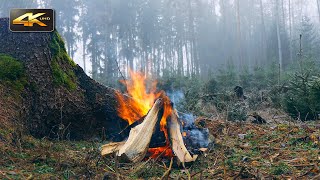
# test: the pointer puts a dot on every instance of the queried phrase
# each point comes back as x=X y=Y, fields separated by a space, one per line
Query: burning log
x=157 y=137
x=154 y=135
x=176 y=139
x=136 y=147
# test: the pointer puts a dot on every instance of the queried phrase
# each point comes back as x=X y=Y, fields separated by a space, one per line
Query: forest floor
x=241 y=151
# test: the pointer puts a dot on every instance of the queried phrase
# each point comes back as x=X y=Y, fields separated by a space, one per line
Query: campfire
x=154 y=127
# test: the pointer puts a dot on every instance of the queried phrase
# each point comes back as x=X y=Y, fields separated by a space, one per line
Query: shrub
x=302 y=99
x=227 y=76
x=211 y=87
x=12 y=72
x=10 y=68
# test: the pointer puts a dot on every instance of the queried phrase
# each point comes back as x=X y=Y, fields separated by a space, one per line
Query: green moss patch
x=12 y=72
x=63 y=78
x=60 y=56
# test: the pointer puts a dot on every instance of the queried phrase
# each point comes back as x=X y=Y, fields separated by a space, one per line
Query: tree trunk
x=283 y=14
x=279 y=37
x=263 y=35
x=318 y=5
x=88 y=109
x=239 y=34
x=84 y=55
x=290 y=32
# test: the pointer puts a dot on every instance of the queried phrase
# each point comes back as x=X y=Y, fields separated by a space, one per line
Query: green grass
x=280 y=169
x=43 y=169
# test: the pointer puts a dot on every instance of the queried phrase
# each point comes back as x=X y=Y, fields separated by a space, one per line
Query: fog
x=182 y=37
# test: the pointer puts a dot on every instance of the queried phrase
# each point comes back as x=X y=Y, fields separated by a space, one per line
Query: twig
x=316 y=177
x=167 y=173
x=114 y=173
x=199 y=172
x=5 y=175
x=239 y=174
x=124 y=79
x=110 y=168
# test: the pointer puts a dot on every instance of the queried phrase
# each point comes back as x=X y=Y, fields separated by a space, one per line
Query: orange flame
x=184 y=134
x=141 y=101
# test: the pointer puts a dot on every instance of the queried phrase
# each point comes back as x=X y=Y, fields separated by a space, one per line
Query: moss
x=58 y=49
x=12 y=72
x=60 y=55
x=63 y=78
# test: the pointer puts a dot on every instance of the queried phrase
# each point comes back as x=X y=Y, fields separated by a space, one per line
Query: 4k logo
x=31 y=20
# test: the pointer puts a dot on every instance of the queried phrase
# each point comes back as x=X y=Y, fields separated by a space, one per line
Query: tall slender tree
x=278 y=36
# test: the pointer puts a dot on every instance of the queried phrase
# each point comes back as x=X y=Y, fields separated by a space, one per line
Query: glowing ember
x=141 y=101
x=184 y=134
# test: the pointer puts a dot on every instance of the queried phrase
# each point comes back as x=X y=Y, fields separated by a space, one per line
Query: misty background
x=183 y=37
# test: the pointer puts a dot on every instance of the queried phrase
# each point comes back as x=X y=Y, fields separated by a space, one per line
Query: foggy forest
x=162 y=89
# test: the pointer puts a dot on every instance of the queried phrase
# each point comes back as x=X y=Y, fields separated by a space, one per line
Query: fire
x=184 y=134
x=141 y=101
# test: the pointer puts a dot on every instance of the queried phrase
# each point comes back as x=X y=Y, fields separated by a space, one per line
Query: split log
x=111 y=148
x=136 y=147
x=176 y=139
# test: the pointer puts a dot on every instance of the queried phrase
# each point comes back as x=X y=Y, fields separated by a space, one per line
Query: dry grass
x=270 y=151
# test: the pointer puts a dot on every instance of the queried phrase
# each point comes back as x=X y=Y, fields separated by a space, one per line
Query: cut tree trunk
x=137 y=145
x=176 y=139
x=84 y=111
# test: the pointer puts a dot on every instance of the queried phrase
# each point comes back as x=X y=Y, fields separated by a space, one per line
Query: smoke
x=195 y=137
x=176 y=97
x=188 y=120
x=199 y=138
